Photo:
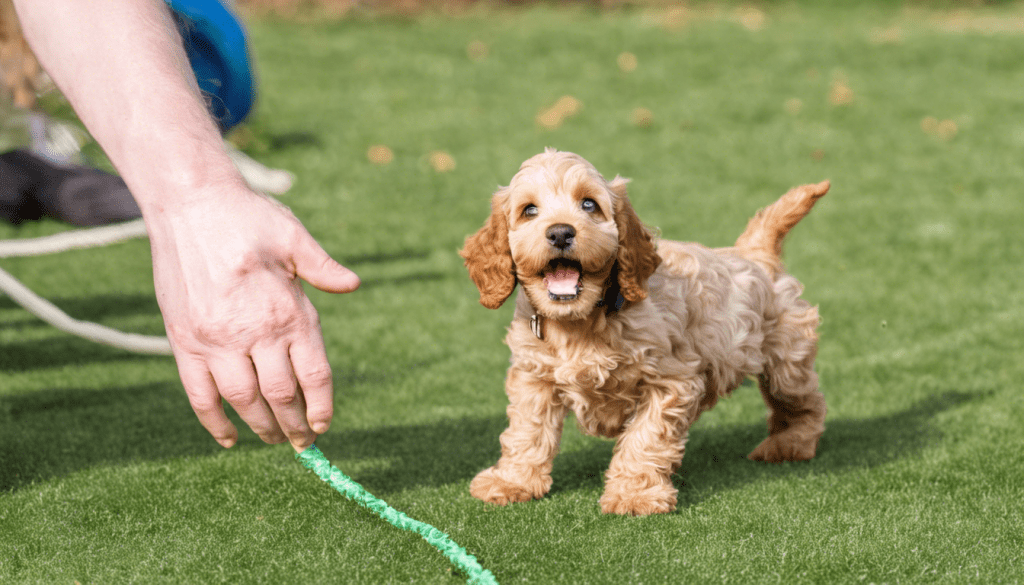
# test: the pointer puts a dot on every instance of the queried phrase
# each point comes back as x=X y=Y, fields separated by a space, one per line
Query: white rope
x=46 y=311
x=73 y=240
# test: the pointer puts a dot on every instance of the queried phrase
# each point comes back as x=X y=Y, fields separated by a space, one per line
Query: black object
x=32 y=187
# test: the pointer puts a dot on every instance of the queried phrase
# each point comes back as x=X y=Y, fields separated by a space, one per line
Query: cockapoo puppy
x=636 y=336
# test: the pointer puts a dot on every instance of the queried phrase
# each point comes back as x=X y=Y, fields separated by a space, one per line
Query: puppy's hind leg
x=789 y=385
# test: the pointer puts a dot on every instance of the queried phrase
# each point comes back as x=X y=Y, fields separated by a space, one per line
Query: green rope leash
x=313 y=459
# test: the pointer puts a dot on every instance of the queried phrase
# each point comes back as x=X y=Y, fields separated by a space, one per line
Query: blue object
x=218 y=51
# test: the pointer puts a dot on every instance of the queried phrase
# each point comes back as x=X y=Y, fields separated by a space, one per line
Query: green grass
x=914 y=257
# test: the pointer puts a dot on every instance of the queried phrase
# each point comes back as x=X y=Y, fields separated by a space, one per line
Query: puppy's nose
x=561 y=235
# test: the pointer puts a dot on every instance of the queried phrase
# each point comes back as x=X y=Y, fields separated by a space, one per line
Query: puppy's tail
x=762 y=240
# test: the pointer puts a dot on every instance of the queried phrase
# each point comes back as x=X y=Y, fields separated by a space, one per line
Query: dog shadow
x=446 y=452
x=716 y=461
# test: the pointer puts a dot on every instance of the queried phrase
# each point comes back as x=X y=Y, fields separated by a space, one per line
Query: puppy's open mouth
x=562 y=279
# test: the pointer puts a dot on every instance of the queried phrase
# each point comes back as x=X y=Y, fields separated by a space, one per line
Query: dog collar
x=537 y=322
x=536 y=326
x=619 y=301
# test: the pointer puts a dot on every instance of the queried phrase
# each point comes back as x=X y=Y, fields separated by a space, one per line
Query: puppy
x=635 y=336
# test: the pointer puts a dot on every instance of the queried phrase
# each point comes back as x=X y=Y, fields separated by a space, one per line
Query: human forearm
x=226 y=261
x=121 y=65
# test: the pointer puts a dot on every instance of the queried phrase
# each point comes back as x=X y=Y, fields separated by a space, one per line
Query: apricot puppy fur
x=637 y=337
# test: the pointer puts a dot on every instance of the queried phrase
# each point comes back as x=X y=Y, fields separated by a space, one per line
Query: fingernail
x=226 y=443
x=320 y=428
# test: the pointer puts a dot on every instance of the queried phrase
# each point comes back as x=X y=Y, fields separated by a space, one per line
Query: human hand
x=226 y=261
x=227 y=267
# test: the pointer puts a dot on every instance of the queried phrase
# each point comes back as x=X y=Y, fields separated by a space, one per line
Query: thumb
x=316 y=267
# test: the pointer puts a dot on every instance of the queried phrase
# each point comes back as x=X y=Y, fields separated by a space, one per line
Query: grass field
x=915 y=258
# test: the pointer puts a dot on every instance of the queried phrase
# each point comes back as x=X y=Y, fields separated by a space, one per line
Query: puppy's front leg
x=649 y=450
x=528 y=445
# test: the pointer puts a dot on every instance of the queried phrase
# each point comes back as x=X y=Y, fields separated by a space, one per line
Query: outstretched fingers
x=279 y=384
x=236 y=381
x=205 y=400
x=313 y=373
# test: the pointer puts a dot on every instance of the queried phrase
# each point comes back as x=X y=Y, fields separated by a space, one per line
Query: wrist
x=180 y=175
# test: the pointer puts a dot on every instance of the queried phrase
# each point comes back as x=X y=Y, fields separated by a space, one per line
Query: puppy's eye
x=530 y=211
x=589 y=205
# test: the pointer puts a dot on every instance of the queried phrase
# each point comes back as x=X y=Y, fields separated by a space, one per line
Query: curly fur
x=691 y=324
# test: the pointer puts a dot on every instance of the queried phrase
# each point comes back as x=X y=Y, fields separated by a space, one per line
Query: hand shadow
x=53 y=433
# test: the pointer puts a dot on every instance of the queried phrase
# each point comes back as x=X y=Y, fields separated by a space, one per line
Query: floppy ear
x=637 y=257
x=489 y=258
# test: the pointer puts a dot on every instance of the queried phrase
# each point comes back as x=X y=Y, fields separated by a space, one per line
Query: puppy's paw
x=653 y=500
x=506 y=486
x=785 y=446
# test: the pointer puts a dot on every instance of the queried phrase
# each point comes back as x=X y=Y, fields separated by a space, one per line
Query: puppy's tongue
x=562 y=281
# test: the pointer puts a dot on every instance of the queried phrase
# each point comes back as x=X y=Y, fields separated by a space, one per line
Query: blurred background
x=393 y=123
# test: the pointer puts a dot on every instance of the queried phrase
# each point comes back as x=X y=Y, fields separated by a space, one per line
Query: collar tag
x=535 y=326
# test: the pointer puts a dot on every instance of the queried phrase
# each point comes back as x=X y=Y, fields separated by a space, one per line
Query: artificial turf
x=914 y=113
